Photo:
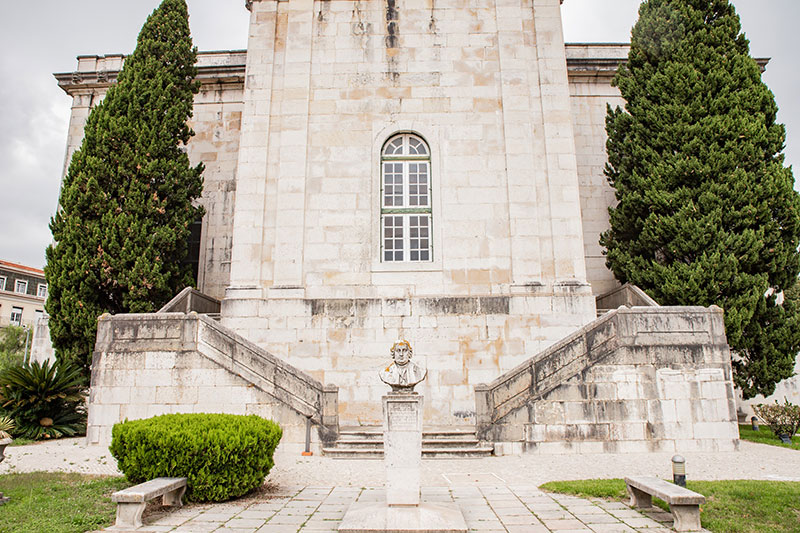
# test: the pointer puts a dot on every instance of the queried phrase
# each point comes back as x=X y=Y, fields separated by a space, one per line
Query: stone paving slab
x=486 y=509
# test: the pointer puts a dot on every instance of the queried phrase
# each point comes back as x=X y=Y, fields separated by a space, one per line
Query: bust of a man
x=402 y=375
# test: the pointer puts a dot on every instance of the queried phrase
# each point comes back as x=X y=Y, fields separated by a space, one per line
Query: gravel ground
x=752 y=461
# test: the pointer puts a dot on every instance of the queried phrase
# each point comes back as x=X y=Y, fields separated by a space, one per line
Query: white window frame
x=2 y=283
x=24 y=285
x=406 y=157
x=18 y=311
x=41 y=293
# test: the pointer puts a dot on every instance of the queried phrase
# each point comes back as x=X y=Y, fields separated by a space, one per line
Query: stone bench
x=684 y=504
x=132 y=501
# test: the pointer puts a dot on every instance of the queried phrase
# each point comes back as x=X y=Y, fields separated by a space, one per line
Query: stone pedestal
x=402 y=449
x=424 y=518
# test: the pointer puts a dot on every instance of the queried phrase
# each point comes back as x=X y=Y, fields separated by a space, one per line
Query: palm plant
x=45 y=401
x=6 y=426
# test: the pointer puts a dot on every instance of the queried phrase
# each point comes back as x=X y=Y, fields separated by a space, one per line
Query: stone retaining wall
x=150 y=364
x=635 y=380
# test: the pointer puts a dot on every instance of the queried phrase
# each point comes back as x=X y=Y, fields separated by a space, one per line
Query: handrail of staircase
x=540 y=374
x=279 y=379
x=193 y=332
x=628 y=295
x=621 y=327
x=190 y=299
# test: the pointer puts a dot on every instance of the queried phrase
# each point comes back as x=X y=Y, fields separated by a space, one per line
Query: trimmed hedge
x=223 y=456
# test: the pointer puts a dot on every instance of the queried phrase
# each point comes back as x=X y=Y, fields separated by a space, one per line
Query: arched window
x=406 y=200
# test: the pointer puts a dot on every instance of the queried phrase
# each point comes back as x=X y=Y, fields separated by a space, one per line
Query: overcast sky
x=43 y=37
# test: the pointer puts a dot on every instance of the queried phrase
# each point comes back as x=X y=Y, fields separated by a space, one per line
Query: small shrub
x=223 y=456
x=781 y=419
x=46 y=401
x=12 y=346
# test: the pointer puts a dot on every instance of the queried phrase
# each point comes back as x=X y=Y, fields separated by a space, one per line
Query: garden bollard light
x=679 y=470
x=308 y=451
x=754 y=422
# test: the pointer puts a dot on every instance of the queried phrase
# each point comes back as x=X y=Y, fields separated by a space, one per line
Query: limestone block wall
x=216 y=122
x=463 y=341
x=483 y=82
x=635 y=380
x=151 y=364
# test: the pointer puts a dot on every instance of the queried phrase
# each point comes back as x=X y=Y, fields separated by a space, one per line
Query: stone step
x=457 y=453
x=450 y=443
x=353 y=453
x=427 y=453
x=426 y=443
x=365 y=442
x=362 y=444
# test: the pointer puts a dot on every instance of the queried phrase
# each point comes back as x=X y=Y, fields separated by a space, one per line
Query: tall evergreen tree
x=707 y=213
x=126 y=203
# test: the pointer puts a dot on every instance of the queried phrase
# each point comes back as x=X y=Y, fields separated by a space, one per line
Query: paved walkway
x=486 y=509
x=495 y=494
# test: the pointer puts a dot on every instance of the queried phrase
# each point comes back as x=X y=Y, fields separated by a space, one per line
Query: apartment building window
x=16 y=316
x=21 y=287
x=2 y=283
x=41 y=291
x=406 y=200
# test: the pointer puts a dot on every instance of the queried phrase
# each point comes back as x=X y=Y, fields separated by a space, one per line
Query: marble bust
x=402 y=375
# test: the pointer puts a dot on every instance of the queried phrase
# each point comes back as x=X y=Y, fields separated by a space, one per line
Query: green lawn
x=765 y=436
x=22 y=442
x=731 y=506
x=57 y=502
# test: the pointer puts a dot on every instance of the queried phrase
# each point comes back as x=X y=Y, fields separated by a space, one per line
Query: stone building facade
x=385 y=169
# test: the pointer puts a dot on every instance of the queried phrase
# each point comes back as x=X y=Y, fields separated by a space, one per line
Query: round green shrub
x=222 y=456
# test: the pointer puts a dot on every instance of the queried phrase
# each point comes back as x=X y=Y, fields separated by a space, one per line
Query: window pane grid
x=418 y=184
x=405 y=200
x=393 y=238
x=419 y=237
x=393 y=185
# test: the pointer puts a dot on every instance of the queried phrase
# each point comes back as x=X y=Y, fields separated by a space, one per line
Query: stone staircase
x=366 y=442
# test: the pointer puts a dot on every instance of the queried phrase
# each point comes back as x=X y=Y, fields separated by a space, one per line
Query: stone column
x=290 y=181
x=519 y=90
x=402 y=448
x=558 y=187
x=251 y=176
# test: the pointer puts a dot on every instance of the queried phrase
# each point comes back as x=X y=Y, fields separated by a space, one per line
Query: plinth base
x=423 y=518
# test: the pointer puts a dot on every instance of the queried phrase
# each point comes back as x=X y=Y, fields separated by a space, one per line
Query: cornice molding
x=249 y=3
x=81 y=81
x=593 y=64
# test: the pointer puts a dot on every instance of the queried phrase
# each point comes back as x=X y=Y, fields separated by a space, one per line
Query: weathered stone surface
x=146 y=365
x=658 y=379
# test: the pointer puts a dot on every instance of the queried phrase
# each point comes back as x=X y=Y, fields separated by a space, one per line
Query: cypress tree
x=126 y=203
x=706 y=212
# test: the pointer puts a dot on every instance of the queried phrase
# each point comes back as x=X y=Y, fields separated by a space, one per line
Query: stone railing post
x=330 y=411
x=483 y=410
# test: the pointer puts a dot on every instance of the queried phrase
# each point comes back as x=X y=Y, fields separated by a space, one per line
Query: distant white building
x=23 y=291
